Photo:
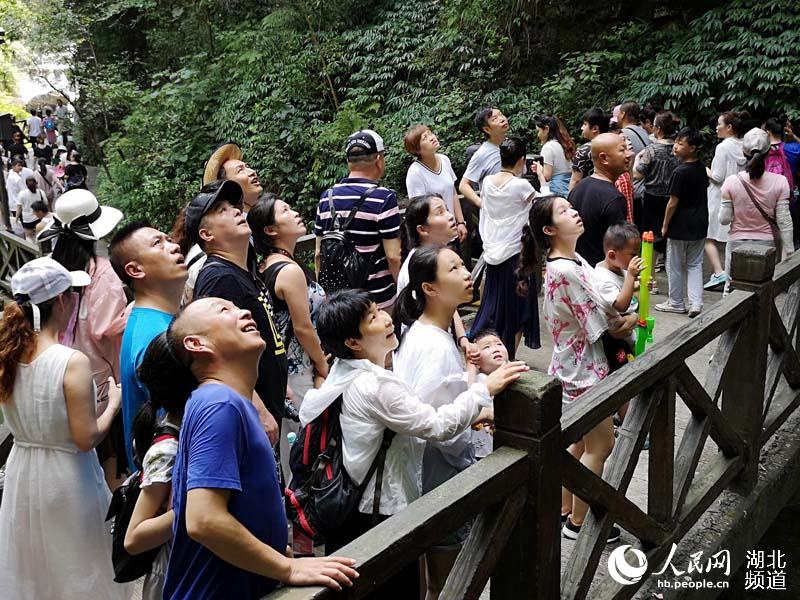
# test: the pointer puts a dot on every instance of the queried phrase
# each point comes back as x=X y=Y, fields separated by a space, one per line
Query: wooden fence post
x=743 y=396
x=527 y=416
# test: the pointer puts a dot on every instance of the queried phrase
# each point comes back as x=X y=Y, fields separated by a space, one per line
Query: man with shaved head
x=230 y=530
x=596 y=198
x=153 y=268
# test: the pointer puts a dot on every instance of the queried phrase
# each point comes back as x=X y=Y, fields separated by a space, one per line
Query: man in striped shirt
x=376 y=227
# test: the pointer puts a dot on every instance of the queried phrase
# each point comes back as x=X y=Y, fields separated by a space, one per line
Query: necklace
x=276 y=250
x=508 y=171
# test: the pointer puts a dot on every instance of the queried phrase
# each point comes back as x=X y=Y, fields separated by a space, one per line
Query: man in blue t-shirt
x=230 y=530
x=154 y=268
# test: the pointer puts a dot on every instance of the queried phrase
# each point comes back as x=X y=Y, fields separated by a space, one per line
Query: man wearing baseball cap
x=375 y=230
x=215 y=221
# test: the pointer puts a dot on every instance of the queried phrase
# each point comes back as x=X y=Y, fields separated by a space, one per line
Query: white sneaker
x=669 y=307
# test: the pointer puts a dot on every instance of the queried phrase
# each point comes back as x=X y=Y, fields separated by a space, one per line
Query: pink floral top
x=577 y=316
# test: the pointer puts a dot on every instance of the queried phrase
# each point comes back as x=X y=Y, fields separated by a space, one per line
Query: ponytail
x=535 y=243
x=262 y=215
x=756 y=165
x=410 y=303
x=17 y=339
x=165 y=373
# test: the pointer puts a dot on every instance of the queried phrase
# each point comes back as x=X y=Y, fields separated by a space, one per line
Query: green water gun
x=644 y=330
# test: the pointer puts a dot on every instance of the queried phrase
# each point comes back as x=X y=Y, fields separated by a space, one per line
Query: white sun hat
x=79 y=211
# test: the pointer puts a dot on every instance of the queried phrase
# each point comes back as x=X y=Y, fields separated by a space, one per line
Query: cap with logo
x=43 y=279
x=363 y=142
x=198 y=206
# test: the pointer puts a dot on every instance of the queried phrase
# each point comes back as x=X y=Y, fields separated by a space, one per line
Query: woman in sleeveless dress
x=53 y=538
x=296 y=299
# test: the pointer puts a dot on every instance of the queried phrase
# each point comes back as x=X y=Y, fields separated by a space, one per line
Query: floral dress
x=577 y=316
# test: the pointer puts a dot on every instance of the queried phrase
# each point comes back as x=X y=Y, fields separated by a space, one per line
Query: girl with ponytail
x=169 y=382
x=431 y=364
x=577 y=317
x=52 y=519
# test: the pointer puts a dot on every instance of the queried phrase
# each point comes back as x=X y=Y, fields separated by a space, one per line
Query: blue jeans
x=685 y=262
x=559 y=184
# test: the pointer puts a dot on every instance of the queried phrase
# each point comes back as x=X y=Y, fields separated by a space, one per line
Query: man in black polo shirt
x=215 y=221
x=599 y=203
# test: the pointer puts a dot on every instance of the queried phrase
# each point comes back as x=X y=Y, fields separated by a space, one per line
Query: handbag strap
x=771 y=220
x=352 y=214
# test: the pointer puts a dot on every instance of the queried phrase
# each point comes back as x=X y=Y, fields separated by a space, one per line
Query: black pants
x=404 y=585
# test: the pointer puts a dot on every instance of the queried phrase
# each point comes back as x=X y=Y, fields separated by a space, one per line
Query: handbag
x=773 y=222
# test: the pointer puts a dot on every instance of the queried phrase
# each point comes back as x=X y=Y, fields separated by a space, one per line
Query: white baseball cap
x=755 y=140
x=43 y=279
x=79 y=211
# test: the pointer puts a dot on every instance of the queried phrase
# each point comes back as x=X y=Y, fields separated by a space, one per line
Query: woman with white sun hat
x=53 y=539
x=99 y=317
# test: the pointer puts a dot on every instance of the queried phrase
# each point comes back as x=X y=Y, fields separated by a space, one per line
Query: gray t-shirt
x=553 y=154
x=485 y=161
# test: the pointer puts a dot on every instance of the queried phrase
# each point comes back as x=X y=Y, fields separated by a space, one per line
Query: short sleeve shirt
x=576 y=316
x=553 y=154
x=748 y=222
x=600 y=205
x=657 y=163
x=690 y=184
x=159 y=461
x=485 y=162
x=582 y=160
x=223 y=279
x=420 y=180
x=378 y=220
x=223 y=447
x=143 y=325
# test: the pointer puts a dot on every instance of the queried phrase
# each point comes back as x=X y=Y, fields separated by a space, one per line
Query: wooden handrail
x=388 y=547
x=14 y=252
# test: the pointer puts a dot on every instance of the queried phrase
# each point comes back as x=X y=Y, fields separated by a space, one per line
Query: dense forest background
x=156 y=85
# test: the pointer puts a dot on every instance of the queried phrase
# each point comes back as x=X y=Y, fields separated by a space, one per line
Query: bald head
x=609 y=155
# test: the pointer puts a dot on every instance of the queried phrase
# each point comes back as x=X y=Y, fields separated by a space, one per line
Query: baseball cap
x=362 y=142
x=198 y=206
x=755 y=140
x=43 y=279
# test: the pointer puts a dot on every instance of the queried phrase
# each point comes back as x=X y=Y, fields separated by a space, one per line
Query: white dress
x=728 y=160
x=53 y=538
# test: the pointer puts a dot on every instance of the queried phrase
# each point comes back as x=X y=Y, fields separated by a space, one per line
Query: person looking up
x=431 y=173
x=230 y=531
x=153 y=268
x=215 y=221
x=493 y=124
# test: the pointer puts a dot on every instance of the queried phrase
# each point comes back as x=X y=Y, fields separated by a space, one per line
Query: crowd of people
x=186 y=364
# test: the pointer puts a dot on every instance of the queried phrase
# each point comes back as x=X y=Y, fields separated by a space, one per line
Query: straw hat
x=223 y=153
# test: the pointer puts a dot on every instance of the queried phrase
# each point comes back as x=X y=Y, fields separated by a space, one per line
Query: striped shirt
x=378 y=220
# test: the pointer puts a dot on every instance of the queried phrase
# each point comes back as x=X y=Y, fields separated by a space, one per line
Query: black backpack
x=321 y=496
x=341 y=265
x=129 y=567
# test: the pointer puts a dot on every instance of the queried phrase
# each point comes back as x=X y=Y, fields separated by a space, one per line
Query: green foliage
x=161 y=85
x=739 y=56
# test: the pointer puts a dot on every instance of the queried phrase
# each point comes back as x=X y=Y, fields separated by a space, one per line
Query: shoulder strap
x=771 y=220
x=378 y=465
x=356 y=207
x=629 y=128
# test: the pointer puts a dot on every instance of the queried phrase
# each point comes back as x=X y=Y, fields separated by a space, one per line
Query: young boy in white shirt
x=617 y=273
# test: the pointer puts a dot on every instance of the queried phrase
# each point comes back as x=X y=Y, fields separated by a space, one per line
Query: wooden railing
x=750 y=389
x=14 y=252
